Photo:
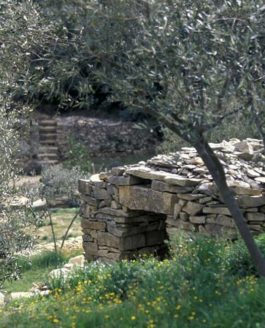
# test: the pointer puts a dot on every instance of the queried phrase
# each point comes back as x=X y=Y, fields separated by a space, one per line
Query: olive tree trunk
x=216 y=170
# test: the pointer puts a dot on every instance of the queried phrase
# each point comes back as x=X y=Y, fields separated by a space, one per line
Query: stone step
x=48 y=162
x=47 y=129
x=48 y=149
x=48 y=141
x=48 y=136
x=47 y=123
x=48 y=156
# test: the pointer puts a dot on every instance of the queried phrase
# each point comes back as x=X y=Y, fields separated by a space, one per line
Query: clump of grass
x=34 y=269
x=40 y=261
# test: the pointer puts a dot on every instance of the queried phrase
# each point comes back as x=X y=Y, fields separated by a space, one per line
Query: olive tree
x=23 y=33
x=186 y=64
x=16 y=221
x=17 y=23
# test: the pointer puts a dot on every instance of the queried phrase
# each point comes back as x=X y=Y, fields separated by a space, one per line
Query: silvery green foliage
x=189 y=64
x=16 y=219
x=58 y=181
x=21 y=29
x=18 y=23
x=57 y=49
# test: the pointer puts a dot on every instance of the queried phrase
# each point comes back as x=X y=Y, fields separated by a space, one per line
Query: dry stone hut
x=133 y=209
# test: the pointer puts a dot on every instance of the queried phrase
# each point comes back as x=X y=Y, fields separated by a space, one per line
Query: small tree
x=17 y=24
x=185 y=64
x=16 y=221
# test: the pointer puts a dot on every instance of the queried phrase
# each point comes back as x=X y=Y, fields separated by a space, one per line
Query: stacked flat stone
x=133 y=209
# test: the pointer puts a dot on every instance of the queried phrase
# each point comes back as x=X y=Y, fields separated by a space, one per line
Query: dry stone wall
x=101 y=137
x=132 y=209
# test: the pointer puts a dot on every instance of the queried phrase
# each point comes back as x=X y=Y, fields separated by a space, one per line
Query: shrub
x=238 y=261
x=15 y=218
x=78 y=156
x=58 y=181
x=43 y=260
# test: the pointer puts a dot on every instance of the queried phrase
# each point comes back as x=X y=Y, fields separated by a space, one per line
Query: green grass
x=61 y=220
x=206 y=283
x=34 y=269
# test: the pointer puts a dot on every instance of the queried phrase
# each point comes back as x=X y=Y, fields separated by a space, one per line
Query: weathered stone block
x=252 y=209
x=100 y=193
x=141 y=219
x=107 y=239
x=84 y=187
x=225 y=221
x=90 y=200
x=192 y=208
x=164 y=187
x=91 y=233
x=260 y=179
x=256 y=228
x=116 y=230
x=208 y=188
x=87 y=238
x=88 y=211
x=115 y=205
x=146 y=173
x=197 y=219
x=177 y=210
x=205 y=200
x=93 y=225
x=90 y=248
x=251 y=201
x=182 y=181
x=146 y=199
x=216 y=210
x=183 y=216
x=129 y=230
x=181 y=225
x=190 y=197
x=260 y=217
x=211 y=218
x=112 y=212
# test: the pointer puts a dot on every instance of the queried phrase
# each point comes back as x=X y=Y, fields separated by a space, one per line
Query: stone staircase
x=48 y=149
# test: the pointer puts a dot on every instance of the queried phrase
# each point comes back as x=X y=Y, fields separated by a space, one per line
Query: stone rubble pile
x=132 y=209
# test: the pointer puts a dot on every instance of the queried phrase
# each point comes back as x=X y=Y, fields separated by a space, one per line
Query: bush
x=15 y=218
x=58 y=181
x=43 y=260
x=238 y=261
x=78 y=156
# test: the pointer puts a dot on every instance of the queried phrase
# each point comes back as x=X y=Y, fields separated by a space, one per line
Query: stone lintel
x=146 y=199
